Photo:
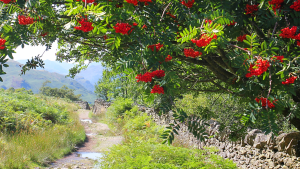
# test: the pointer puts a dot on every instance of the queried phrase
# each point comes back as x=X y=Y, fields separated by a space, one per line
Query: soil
x=96 y=143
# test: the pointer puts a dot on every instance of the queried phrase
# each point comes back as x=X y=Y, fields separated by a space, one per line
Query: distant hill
x=33 y=79
x=87 y=78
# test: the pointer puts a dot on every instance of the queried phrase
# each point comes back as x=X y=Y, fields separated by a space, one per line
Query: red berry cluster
x=265 y=101
x=276 y=4
x=145 y=1
x=144 y=27
x=157 y=47
x=204 y=40
x=158 y=89
x=251 y=8
x=147 y=77
x=168 y=13
x=188 y=4
x=119 y=5
x=87 y=1
x=6 y=1
x=135 y=2
x=191 y=53
x=296 y=6
x=168 y=58
x=241 y=38
x=122 y=28
x=262 y=66
x=208 y=21
x=290 y=80
x=158 y=73
x=232 y=23
x=2 y=42
x=44 y=34
x=290 y=33
x=23 y=20
x=85 y=26
x=279 y=58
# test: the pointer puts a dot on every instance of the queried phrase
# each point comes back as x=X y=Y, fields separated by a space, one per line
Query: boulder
x=83 y=105
x=261 y=140
x=249 y=138
x=100 y=106
x=288 y=142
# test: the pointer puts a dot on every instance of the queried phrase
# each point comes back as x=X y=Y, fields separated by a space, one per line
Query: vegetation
x=63 y=92
x=248 y=49
x=34 y=80
x=36 y=129
x=142 y=147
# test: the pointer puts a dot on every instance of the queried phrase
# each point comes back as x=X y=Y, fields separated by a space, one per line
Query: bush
x=143 y=149
x=118 y=108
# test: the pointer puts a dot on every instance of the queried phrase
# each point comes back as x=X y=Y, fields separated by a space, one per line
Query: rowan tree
x=248 y=48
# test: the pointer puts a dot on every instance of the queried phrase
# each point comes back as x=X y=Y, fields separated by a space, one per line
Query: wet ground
x=97 y=142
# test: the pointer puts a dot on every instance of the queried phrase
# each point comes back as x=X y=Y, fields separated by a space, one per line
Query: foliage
x=36 y=129
x=247 y=52
x=118 y=109
x=63 y=92
x=142 y=148
x=113 y=85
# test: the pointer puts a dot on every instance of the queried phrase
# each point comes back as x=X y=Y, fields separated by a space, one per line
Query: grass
x=142 y=147
x=34 y=144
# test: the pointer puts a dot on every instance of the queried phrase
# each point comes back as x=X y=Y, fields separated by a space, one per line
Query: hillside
x=33 y=79
x=87 y=78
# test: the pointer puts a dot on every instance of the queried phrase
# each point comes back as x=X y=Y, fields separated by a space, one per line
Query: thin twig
x=165 y=11
x=270 y=77
x=274 y=29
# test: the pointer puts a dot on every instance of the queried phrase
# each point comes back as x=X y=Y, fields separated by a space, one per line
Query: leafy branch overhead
x=248 y=49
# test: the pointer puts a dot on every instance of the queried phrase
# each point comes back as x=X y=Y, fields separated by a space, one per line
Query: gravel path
x=96 y=143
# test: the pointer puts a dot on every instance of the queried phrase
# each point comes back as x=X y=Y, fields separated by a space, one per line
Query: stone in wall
x=83 y=105
x=100 y=106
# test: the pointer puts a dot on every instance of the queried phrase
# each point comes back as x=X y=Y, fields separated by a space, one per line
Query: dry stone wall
x=100 y=106
x=83 y=105
x=255 y=151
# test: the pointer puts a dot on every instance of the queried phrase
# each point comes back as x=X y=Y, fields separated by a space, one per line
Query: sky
x=30 y=51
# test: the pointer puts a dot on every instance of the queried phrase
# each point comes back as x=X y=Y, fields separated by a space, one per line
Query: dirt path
x=97 y=142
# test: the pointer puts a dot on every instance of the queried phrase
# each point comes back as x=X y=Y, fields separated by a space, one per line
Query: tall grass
x=39 y=148
x=38 y=145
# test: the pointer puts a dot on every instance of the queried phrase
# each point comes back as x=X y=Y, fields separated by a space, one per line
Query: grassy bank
x=35 y=129
x=142 y=147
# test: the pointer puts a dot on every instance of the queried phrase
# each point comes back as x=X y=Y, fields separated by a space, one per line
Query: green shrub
x=118 y=108
x=142 y=148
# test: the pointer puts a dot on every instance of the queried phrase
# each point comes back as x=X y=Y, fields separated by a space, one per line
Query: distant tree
x=63 y=92
x=114 y=84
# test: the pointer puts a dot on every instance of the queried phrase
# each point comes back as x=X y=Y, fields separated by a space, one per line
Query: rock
x=249 y=138
x=285 y=167
x=100 y=106
x=262 y=156
x=271 y=164
x=288 y=142
x=261 y=140
x=83 y=105
x=289 y=162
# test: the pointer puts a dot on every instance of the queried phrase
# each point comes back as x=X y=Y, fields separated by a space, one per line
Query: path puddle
x=90 y=134
x=86 y=120
x=90 y=155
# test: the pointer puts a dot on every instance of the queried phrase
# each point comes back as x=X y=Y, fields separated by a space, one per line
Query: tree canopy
x=249 y=48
